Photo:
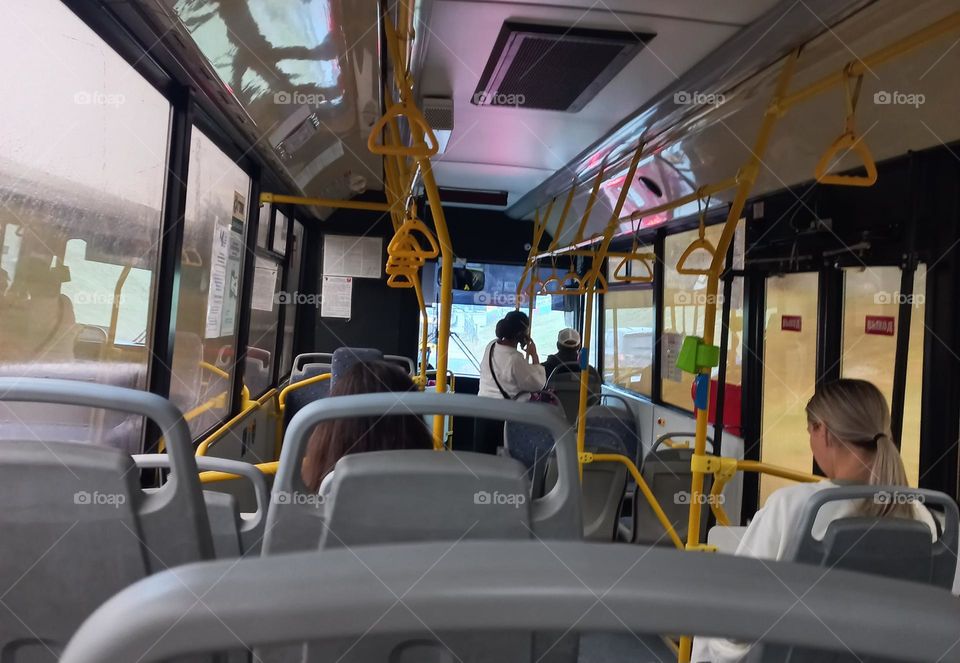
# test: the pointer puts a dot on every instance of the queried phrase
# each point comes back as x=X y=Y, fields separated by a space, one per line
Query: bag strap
x=494 y=373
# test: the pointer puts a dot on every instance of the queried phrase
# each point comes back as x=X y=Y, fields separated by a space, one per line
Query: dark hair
x=332 y=440
x=513 y=327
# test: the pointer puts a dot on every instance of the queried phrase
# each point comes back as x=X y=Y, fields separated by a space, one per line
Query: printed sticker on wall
x=880 y=325
x=239 y=206
x=792 y=323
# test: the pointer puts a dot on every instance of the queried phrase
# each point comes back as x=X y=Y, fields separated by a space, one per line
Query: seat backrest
x=304 y=359
x=565 y=384
x=893 y=547
x=667 y=473
x=341 y=361
x=419 y=494
x=531 y=445
x=418 y=594
x=621 y=423
x=404 y=362
x=898 y=548
x=76 y=526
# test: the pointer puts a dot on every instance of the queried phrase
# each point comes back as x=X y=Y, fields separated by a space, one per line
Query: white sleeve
x=527 y=377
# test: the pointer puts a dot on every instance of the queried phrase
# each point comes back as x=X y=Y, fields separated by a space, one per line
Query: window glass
x=280 y=233
x=789 y=375
x=684 y=309
x=218 y=192
x=263 y=227
x=629 y=328
x=293 y=285
x=871 y=322
x=82 y=166
x=264 y=317
x=475 y=315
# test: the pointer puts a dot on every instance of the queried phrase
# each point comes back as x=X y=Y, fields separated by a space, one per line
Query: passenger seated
x=849 y=426
x=567 y=358
x=332 y=440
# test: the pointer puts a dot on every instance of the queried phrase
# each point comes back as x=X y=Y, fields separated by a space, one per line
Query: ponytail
x=853 y=412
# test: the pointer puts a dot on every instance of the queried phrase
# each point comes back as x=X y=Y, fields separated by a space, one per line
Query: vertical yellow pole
x=745 y=182
x=590 y=284
x=115 y=312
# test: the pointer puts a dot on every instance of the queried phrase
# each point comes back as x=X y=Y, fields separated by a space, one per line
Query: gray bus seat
x=405 y=362
x=602 y=486
x=234 y=534
x=341 y=360
x=892 y=547
x=531 y=445
x=622 y=423
x=76 y=526
x=566 y=385
x=418 y=488
x=408 y=597
x=897 y=548
x=667 y=473
x=309 y=358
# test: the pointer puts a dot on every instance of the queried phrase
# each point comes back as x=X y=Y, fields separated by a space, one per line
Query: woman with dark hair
x=334 y=439
x=505 y=372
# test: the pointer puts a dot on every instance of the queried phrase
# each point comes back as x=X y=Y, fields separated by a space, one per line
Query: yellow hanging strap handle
x=417 y=122
x=405 y=245
x=620 y=273
x=701 y=243
x=848 y=142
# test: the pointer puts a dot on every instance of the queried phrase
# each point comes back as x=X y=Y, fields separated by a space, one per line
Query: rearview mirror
x=466 y=279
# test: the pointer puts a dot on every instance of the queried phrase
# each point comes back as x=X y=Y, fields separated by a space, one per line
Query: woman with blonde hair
x=849 y=426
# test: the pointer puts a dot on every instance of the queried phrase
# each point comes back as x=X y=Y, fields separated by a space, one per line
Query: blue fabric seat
x=343 y=359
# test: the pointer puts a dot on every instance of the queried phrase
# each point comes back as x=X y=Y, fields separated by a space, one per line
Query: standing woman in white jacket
x=849 y=426
x=505 y=372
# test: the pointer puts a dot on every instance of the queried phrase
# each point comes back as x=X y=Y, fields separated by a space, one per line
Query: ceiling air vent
x=553 y=67
x=438 y=111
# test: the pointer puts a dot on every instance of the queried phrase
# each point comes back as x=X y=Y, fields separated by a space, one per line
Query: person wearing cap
x=567 y=358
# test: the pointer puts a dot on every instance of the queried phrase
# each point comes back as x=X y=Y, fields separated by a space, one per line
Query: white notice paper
x=218 y=279
x=361 y=257
x=336 y=301
x=671 y=344
x=264 y=285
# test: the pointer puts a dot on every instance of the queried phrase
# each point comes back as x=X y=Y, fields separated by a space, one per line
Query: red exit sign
x=880 y=325
x=792 y=323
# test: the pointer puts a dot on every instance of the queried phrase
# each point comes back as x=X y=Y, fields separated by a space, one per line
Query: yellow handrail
x=210 y=476
x=251 y=407
x=586 y=458
x=282 y=398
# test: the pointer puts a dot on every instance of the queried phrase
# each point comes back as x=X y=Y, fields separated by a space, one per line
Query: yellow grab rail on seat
x=269 y=469
x=282 y=398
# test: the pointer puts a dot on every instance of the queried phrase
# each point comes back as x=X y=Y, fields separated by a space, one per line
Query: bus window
x=218 y=192
x=264 y=317
x=81 y=187
x=629 y=328
x=871 y=304
x=475 y=315
x=789 y=374
x=293 y=285
x=684 y=307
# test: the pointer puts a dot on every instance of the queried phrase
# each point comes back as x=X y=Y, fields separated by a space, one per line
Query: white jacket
x=515 y=373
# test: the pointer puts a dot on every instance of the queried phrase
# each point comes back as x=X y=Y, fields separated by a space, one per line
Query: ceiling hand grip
x=417 y=123
x=701 y=243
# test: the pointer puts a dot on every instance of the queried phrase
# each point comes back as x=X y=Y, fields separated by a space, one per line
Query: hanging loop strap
x=848 y=141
